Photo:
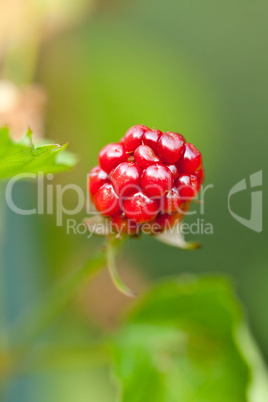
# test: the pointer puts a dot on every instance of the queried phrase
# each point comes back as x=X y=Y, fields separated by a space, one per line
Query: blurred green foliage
x=180 y=344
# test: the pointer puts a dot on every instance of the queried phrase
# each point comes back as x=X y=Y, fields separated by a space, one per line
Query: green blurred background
x=198 y=68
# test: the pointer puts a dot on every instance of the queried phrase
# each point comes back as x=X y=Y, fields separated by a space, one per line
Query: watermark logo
x=255 y=220
x=50 y=200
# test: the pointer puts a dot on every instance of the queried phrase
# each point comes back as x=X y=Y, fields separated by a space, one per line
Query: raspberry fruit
x=172 y=201
x=201 y=174
x=156 y=180
x=140 y=208
x=146 y=181
x=124 y=225
x=166 y=220
x=96 y=178
x=133 y=137
x=106 y=201
x=151 y=138
x=170 y=147
x=126 y=178
x=188 y=186
x=174 y=170
x=191 y=159
x=111 y=155
x=145 y=156
x=163 y=221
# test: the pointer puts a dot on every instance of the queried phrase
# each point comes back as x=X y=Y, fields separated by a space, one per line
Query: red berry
x=170 y=147
x=124 y=225
x=133 y=137
x=156 y=180
x=126 y=178
x=134 y=184
x=201 y=174
x=174 y=170
x=167 y=221
x=106 y=201
x=111 y=155
x=151 y=138
x=185 y=207
x=145 y=156
x=140 y=208
x=191 y=160
x=171 y=202
x=96 y=178
x=153 y=227
x=188 y=186
x=163 y=222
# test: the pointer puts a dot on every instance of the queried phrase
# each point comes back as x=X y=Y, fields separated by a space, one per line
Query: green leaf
x=23 y=157
x=180 y=343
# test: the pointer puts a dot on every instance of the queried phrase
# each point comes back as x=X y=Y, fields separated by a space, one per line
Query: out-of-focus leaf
x=174 y=237
x=23 y=157
x=180 y=343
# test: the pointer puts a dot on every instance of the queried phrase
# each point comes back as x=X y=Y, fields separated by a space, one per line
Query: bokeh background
x=198 y=68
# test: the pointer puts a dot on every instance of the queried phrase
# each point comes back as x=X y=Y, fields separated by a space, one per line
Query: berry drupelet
x=148 y=178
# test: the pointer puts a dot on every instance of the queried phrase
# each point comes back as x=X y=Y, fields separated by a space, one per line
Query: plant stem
x=111 y=248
